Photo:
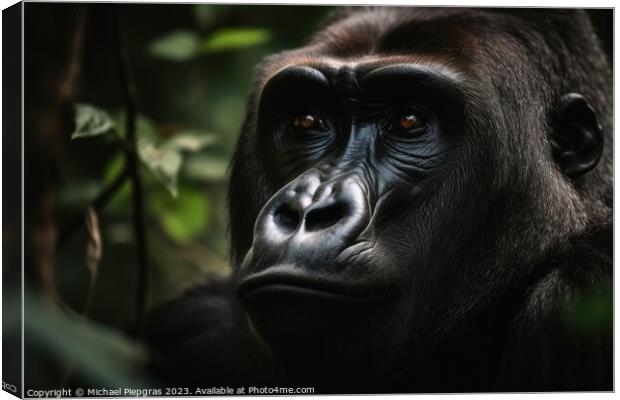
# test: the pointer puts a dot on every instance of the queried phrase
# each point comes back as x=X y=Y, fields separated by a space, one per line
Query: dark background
x=72 y=56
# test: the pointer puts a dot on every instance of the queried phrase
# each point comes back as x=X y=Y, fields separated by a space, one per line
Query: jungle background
x=132 y=112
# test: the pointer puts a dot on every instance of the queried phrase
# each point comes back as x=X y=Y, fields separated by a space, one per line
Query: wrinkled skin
x=417 y=198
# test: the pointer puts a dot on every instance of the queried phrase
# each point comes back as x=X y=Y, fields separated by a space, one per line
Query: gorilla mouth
x=282 y=282
x=293 y=291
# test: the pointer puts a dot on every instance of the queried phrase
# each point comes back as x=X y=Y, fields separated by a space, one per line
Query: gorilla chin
x=315 y=328
x=285 y=300
x=312 y=320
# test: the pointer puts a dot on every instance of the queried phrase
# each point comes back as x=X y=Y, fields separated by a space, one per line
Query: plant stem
x=139 y=227
x=100 y=201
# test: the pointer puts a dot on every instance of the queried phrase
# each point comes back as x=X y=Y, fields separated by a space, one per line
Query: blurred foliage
x=183 y=218
x=93 y=353
x=231 y=39
x=193 y=66
x=185 y=45
x=176 y=46
x=162 y=158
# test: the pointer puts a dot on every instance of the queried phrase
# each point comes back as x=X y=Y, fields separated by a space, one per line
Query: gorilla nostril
x=324 y=217
x=286 y=218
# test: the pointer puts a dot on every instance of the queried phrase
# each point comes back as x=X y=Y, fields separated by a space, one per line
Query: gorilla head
x=409 y=191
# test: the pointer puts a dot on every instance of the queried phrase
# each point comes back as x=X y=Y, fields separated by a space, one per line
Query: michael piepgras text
x=175 y=391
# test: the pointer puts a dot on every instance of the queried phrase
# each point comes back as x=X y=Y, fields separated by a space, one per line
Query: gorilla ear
x=578 y=141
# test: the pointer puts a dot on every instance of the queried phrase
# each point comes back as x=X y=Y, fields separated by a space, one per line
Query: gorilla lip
x=287 y=290
x=280 y=280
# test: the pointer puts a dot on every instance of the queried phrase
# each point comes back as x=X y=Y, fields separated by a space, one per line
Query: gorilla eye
x=406 y=122
x=308 y=122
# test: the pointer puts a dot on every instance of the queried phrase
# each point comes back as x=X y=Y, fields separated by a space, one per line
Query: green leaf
x=91 y=121
x=183 y=218
x=234 y=38
x=163 y=162
x=190 y=141
x=205 y=168
x=175 y=46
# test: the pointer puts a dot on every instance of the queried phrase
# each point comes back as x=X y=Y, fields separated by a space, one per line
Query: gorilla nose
x=308 y=215
x=324 y=216
x=314 y=219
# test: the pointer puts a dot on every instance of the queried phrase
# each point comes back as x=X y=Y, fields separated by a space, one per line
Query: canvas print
x=303 y=200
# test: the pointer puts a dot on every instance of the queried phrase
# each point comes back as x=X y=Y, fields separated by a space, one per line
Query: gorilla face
x=359 y=151
x=399 y=191
x=344 y=163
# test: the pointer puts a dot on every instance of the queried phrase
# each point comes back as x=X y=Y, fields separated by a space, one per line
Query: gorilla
x=420 y=201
